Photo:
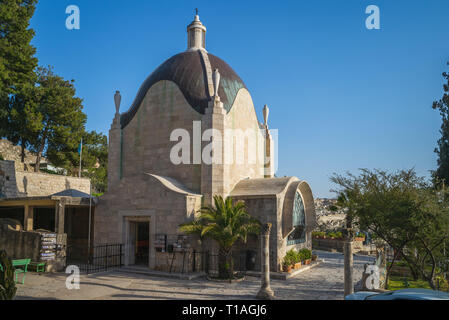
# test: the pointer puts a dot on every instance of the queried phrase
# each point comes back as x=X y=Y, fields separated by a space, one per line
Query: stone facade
x=15 y=184
x=8 y=151
x=188 y=95
x=271 y=201
x=8 y=186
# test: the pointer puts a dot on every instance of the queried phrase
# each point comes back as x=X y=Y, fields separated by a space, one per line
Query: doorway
x=139 y=237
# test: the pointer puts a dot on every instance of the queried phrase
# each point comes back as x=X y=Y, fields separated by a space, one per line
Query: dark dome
x=187 y=70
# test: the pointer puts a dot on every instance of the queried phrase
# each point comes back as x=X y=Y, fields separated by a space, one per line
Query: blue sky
x=342 y=97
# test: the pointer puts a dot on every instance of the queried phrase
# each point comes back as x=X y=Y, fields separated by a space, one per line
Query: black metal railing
x=208 y=261
x=101 y=257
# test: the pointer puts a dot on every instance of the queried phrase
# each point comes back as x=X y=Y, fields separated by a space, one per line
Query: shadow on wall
x=25 y=185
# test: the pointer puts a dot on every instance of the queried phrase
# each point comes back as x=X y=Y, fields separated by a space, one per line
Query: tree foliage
x=95 y=160
x=17 y=61
x=226 y=223
x=402 y=209
x=442 y=105
x=55 y=119
x=7 y=284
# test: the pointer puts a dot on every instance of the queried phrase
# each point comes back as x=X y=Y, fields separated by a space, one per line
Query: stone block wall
x=33 y=184
x=14 y=153
x=242 y=117
x=20 y=244
x=142 y=196
x=8 y=186
x=146 y=141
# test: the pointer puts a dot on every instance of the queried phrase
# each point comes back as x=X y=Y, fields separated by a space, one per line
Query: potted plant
x=297 y=261
x=289 y=261
x=306 y=256
x=359 y=236
x=314 y=257
x=287 y=268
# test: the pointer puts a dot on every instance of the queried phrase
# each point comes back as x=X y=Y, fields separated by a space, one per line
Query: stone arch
x=303 y=188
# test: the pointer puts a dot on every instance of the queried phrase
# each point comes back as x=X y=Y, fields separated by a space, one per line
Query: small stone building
x=157 y=180
x=55 y=203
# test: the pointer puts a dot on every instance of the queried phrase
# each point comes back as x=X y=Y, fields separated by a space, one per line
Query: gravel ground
x=323 y=282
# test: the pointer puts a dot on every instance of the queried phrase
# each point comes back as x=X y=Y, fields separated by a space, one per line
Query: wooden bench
x=21 y=266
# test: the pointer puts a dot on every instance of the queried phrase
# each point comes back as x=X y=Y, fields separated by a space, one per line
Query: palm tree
x=226 y=223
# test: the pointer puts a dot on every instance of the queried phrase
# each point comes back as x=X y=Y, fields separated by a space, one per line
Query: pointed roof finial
x=196 y=11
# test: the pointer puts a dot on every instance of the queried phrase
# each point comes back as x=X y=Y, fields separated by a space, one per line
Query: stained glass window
x=298 y=235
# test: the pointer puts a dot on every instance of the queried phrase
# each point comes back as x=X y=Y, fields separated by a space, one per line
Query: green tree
x=95 y=160
x=442 y=105
x=20 y=131
x=17 y=61
x=425 y=254
x=386 y=204
x=56 y=119
x=226 y=223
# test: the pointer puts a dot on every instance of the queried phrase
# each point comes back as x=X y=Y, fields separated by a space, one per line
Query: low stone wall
x=334 y=245
x=20 y=244
x=33 y=184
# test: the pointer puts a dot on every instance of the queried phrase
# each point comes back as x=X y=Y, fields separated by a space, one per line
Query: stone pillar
x=348 y=271
x=212 y=174
x=115 y=147
x=59 y=216
x=265 y=291
x=28 y=217
x=269 y=147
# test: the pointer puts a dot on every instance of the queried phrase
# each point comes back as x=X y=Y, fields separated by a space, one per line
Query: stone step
x=162 y=274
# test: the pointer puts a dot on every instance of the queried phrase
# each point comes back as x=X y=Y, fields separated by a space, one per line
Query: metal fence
x=188 y=261
x=101 y=258
x=208 y=261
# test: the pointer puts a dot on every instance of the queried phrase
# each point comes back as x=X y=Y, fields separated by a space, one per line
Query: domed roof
x=188 y=71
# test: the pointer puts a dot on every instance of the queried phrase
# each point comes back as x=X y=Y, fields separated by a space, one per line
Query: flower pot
x=308 y=261
x=359 y=239
x=287 y=268
x=314 y=257
x=297 y=265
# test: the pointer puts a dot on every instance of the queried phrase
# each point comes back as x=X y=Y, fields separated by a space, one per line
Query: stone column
x=59 y=215
x=348 y=273
x=265 y=291
x=28 y=223
x=115 y=146
x=212 y=174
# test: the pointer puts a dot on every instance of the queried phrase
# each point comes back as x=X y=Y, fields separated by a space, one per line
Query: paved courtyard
x=320 y=283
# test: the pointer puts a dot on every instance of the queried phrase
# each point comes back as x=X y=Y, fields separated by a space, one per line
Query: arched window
x=298 y=235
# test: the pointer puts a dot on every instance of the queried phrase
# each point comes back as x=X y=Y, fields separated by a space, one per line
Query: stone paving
x=323 y=282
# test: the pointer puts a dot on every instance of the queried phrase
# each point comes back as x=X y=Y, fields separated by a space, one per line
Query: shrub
x=1 y=157
x=305 y=254
x=318 y=234
x=360 y=235
x=7 y=284
x=291 y=257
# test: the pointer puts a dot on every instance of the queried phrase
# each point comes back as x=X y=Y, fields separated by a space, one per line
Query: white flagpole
x=81 y=153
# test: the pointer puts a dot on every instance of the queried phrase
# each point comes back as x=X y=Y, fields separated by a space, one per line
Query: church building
x=181 y=142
